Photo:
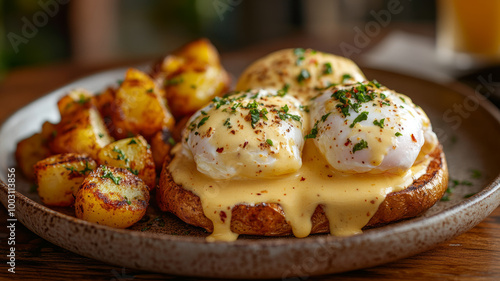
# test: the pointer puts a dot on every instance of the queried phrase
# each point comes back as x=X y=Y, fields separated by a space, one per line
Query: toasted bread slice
x=268 y=219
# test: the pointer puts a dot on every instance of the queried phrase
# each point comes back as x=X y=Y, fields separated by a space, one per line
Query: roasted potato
x=82 y=129
x=33 y=149
x=139 y=108
x=304 y=70
x=112 y=196
x=192 y=76
x=103 y=102
x=132 y=154
x=161 y=144
x=58 y=177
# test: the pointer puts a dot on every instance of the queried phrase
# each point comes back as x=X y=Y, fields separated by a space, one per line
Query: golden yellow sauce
x=349 y=200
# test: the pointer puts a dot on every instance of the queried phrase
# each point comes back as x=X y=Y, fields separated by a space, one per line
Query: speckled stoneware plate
x=468 y=127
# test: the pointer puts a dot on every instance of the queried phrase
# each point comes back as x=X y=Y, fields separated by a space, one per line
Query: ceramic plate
x=468 y=127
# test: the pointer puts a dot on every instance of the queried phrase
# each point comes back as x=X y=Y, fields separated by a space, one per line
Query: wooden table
x=472 y=255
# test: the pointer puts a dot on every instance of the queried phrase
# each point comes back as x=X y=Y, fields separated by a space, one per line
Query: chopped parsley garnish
x=149 y=90
x=235 y=106
x=71 y=169
x=359 y=146
x=101 y=135
x=174 y=81
x=379 y=123
x=283 y=114
x=303 y=75
x=398 y=134
x=256 y=114
x=251 y=105
x=283 y=91
x=383 y=96
x=135 y=172
x=476 y=174
x=82 y=172
x=270 y=142
x=127 y=201
x=171 y=141
x=202 y=121
x=327 y=68
x=361 y=117
x=109 y=175
x=386 y=103
x=83 y=99
x=323 y=118
x=375 y=83
x=304 y=108
x=403 y=99
x=218 y=101
x=120 y=155
x=203 y=112
x=132 y=141
x=299 y=52
x=346 y=77
x=86 y=169
x=119 y=82
x=227 y=123
x=451 y=187
x=314 y=132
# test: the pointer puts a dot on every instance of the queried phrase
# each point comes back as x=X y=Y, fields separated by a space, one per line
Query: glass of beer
x=468 y=33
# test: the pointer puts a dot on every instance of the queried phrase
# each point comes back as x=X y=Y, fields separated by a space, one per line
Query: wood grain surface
x=474 y=255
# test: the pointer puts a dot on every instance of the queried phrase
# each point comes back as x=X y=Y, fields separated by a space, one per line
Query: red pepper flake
x=223 y=216
x=348 y=142
x=372 y=201
x=302 y=179
x=245 y=144
x=413 y=138
x=220 y=149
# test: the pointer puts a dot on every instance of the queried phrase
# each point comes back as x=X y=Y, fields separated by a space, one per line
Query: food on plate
x=132 y=154
x=255 y=134
x=191 y=77
x=58 y=177
x=139 y=107
x=112 y=196
x=33 y=149
x=305 y=144
x=369 y=158
x=304 y=70
x=81 y=129
x=161 y=143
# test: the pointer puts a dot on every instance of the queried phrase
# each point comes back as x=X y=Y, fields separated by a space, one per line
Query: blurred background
x=436 y=40
x=93 y=31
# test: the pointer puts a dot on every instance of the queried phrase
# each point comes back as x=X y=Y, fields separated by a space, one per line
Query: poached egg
x=253 y=134
x=367 y=128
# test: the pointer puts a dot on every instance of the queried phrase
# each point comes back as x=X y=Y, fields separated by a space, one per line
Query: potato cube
x=33 y=149
x=82 y=129
x=59 y=177
x=139 y=107
x=192 y=77
x=112 y=196
x=132 y=154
